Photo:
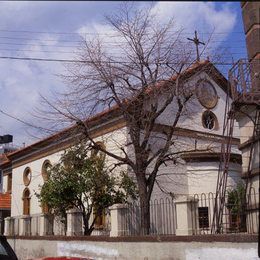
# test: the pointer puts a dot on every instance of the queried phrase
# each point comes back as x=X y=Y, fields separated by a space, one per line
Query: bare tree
x=139 y=71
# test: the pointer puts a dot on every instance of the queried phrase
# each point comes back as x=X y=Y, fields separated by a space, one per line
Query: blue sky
x=51 y=30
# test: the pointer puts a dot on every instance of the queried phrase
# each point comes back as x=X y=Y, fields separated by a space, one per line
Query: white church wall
x=192 y=116
x=18 y=185
x=202 y=176
x=171 y=180
x=111 y=140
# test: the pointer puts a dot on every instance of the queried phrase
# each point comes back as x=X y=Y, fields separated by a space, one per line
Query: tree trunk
x=86 y=229
x=145 y=209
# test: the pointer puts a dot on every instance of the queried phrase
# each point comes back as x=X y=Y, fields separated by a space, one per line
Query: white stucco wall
x=112 y=141
x=36 y=180
x=202 y=176
x=31 y=249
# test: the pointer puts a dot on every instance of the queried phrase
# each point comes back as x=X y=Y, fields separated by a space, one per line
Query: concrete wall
x=146 y=249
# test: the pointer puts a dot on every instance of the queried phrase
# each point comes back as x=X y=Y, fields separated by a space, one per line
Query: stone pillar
x=117 y=220
x=186 y=215
x=46 y=224
x=8 y=222
x=59 y=228
x=74 y=223
x=25 y=226
x=17 y=228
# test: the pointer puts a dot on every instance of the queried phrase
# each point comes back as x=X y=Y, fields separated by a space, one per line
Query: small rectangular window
x=203 y=217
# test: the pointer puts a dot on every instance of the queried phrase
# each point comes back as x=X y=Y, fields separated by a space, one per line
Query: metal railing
x=162 y=218
x=244 y=78
x=240 y=213
x=239 y=216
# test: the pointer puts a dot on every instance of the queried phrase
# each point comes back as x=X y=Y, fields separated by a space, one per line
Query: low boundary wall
x=213 y=247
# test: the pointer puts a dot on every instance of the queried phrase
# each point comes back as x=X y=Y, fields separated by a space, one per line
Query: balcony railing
x=244 y=79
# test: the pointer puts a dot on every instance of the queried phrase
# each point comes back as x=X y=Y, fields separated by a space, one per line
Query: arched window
x=27 y=176
x=26 y=201
x=45 y=168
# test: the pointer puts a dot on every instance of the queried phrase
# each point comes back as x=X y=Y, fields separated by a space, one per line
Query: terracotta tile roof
x=4 y=159
x=5 y=201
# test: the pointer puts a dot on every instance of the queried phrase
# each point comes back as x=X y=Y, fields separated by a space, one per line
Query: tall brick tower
x=251 y=19
x=245 y=84
x=244 y=79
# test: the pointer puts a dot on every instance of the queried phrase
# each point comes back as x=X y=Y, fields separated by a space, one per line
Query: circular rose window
x=27 y=176
x=209 y=120
x=206 y=94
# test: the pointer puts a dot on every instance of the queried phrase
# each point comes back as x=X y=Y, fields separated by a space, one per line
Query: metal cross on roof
x=197 y=42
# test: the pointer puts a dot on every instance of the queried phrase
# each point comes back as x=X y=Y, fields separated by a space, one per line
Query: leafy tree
x=236 y=203
x=82 y=181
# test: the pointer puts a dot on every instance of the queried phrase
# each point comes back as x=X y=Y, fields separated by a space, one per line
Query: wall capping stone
x=238 y=238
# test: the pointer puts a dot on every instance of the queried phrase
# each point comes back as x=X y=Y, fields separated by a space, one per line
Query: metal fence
x=240 y=215
x=162 y=218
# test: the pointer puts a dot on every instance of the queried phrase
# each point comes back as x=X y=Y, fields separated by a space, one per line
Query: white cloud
x=202 y=16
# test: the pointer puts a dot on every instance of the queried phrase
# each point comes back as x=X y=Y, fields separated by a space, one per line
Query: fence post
x=7 y=226
x=74 y=222
x=186 y=212
x=25 y=226
x=58 y=227
x=117 y=220
x=46 y=224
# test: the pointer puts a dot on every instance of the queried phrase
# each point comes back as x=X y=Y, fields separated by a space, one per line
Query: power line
x=38 y=59
x=37 y=45
x=24 y=122
x=77 y=52
x=76 y=46
x=70 y=41
x=93 y=33
x=47 y=51
x=86 y=61
x=37 y=39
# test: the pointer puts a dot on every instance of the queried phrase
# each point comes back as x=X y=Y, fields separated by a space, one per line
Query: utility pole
x=197 y=42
